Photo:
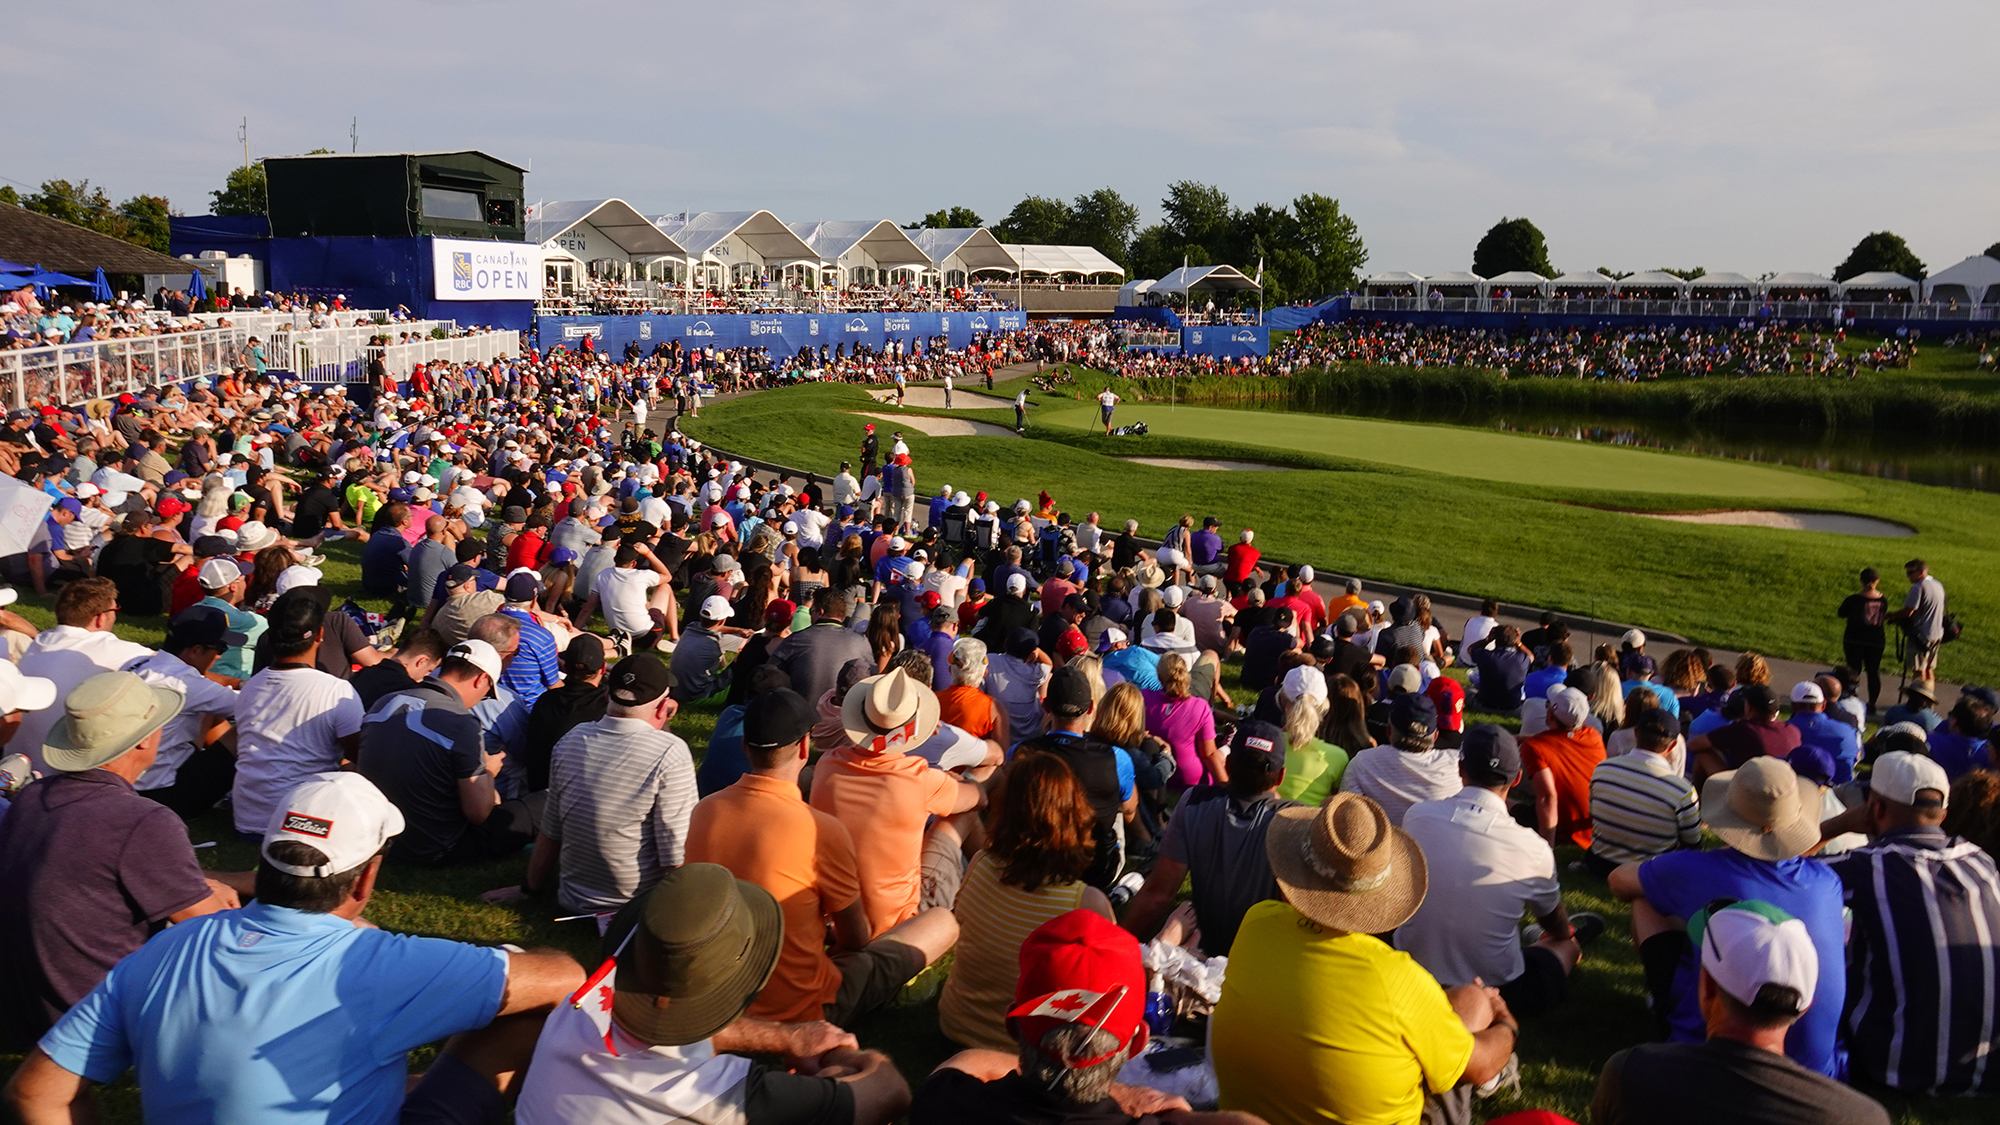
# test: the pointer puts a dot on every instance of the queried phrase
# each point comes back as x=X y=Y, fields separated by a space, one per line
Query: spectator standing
x=1865 y=636
x=1922 y=618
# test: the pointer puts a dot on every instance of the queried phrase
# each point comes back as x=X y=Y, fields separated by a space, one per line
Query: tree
x=1880 y=252
x=1155 y=252
x=1199 y=215
x=1993 y=251
x=1036 y=220
x=10 y=196
x=78 y=203
x=1104 y=220
x=1331 y=240
x=951 y=218
x=1685 y=275
x=145 y=219
x=245 y=192
x=1512 y=244
x=1614 y=274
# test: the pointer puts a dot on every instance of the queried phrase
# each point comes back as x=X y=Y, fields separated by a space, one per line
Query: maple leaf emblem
x=604 y=998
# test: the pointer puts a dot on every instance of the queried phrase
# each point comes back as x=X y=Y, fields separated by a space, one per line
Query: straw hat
x=107 y=715
x=1763 y=809
x=254 y=536
x=889 y=713
x=1345 y=866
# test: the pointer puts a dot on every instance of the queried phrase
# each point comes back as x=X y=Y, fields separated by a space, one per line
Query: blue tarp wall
x=783 y=335
x=1296 y=317
x=1226 y=340
x=234 y=235
x=1151 y=314
x=381 y=273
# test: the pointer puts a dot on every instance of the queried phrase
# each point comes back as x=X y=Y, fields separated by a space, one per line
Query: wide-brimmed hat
x=889 y=713
x=1345 y=866
x=702 y=944
x=105 y=716
x=1763 y=809
x=254 y=536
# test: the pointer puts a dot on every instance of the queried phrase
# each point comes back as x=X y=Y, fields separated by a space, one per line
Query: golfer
x=1106 y=403
x=1021 y=411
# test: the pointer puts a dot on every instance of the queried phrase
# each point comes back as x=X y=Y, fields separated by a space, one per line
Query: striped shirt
x=620 y=794
x=533 y=669
x=1641 y=808
x=993 y=920
x=1923 y=963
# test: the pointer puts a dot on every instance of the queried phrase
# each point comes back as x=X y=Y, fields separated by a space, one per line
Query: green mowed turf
x=1463 y=452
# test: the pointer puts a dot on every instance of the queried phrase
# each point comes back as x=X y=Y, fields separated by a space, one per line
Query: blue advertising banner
x=783 y=335
x=1226 y=340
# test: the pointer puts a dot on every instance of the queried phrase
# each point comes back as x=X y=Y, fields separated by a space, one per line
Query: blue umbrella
x=13 y=280
x=197 y=288
x=51 y=277
x=11 y=267
x=99 y=287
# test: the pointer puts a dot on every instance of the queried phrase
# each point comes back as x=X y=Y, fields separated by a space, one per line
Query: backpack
x=1952 y=629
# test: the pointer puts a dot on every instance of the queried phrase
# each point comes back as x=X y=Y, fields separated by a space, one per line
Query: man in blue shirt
x=294 y=1009
x=1819 y=729
x=1556 y=671
x=383 y=557
x=533 y=669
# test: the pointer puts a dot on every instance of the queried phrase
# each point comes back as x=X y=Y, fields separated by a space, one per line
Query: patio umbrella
x=197 y=287
x=12 y=267
x=99 y=287
x=51 y=277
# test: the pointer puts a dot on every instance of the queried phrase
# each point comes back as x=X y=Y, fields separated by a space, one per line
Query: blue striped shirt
x=533 y=669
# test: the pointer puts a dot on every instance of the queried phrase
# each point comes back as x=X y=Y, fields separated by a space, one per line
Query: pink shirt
x=1182 y=724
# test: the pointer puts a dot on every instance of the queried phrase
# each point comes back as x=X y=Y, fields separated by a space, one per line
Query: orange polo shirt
x=1570 y=756
x=885 y=800
x=765 y=833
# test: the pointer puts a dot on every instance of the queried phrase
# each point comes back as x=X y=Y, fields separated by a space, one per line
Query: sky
x=1750 y=136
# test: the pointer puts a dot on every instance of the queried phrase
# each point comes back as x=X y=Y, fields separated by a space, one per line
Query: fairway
x=1457 y=451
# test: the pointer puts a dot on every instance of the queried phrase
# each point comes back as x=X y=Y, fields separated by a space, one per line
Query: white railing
x=1688 y=306
x=336 y=355
x=262 y=322
x=481 y=347
x=72 y=373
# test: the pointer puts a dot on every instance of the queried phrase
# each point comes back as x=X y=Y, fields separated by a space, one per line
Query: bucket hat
x=105 y=716
x=702 y=944
x=1763 y=809
x=1344 y=866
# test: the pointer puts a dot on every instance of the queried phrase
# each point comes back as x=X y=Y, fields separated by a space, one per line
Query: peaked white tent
x=574 y=233
x=1592 y=281
x=1396 y=279
x=1974 y=281
x=1518 y=282
x=1867 y=285
x=1445 y=283
x=1133 y=292
x=1707 y=284
x=1801 y=282
x=736 y=245
x=1651 y=281
x=1057 y=261
x=959 y=252
x=1189 y=279
x=868 y=250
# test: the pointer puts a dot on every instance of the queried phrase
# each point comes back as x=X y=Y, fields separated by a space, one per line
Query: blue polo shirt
x=1840 y=741
x=276 y=1015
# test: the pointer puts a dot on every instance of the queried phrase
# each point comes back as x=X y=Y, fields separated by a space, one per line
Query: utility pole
x=243 y=135
x=354 y=135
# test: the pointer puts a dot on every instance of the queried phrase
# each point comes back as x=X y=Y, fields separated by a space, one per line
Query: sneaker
x=1589 y=926
x=1123 y=890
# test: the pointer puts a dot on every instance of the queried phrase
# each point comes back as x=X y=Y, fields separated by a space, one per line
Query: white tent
x=1189 y=279
x=878 y=246
x=1055 y=261
x=1734 y=282
x=743 y=242
x=1799 y=281
x=1519 y=282
x=959 y=252
x=592 y=229
x=1881 y=281
x=1133 y=291
x=1975 y=281
x=1456 y=279
x=1397 y=279
x=1653 y=279
x=1592 y=280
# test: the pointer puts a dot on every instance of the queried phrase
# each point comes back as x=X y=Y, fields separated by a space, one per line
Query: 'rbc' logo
x=461 y=271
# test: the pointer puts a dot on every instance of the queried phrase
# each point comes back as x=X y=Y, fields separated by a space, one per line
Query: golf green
x=1458 y=451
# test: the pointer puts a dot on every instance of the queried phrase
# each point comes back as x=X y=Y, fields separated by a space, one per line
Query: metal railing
x=1687 y=306
x=72 y=373
x=482 y=347
x=336 y=355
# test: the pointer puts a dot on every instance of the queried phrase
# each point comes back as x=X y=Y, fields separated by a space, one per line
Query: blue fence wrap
x=783 y=335
x=381 y=273
x=1148 y=314
x=1226 y=340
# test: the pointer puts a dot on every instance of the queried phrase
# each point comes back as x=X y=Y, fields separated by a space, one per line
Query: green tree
x=1512 y=244
x=1036 y=220
x=1883 y=252
x=1687 y=274
x=145 y=218
x=245 y=192
x=1330 y=238
x=9 y=195
x=1104 y=220
x=1992 y=251
x=951 y=218
x=1155 y=252
x=79 y=203
x=1200 y=217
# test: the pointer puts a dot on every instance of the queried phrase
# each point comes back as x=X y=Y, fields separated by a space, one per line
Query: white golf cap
x=480 y=655
x=218 y=573
x=292 y=577
x=715 y=607
x=1747 y=945
x=1173 y=596
x=719 y=519
x=898 y=543
x=1569 y=707
x=1807 y=692
x=341 y=814
x=1303 y=681
x=1306 y=573
x=913 y=572
x=8 y=596
x=1017 y=583
x=86 y=490
x=1633 y=638
x=1903 y=777
x=20 y=692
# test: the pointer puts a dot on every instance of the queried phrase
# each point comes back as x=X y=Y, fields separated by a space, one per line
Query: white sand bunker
x=940 y=427
x=1838 y=523
x=1206 y=466
x=932 y=398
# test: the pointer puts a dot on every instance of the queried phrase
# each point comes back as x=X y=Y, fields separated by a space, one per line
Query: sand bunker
x=932 y=398
x=1206 y=466
x=940 y=427
x=1838 y=523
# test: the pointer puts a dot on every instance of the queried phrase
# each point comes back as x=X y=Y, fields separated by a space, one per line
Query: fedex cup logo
x=645 y=330
x=461 y=271
x=895 y=324
x=979 y=324
x=1244 y=337
x=857 y=325
x=700 y=328
x=767 y=327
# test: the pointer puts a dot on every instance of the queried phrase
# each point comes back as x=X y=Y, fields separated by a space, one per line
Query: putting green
x=1458 y=451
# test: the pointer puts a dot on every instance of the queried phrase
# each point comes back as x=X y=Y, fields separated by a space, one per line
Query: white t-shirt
x=1108 y=399
x=1485 y=871
x=1476 y=629
x=68 y=655
x=622 y=594
x=289 y=721
x=1397 y=779
x=204 y=698
x=655 y=511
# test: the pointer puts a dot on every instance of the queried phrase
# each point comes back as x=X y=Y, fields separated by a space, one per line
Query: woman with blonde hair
x=1607 y=700
x=1751 y=669
x=1187 y=726
x=1313 y=766
x=212 y=507
x=1044 y=840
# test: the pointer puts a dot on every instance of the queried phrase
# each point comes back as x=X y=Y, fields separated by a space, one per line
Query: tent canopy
x=1083 y=260
x=761 y=231
x=974 y=247
x=1797 y=279
x=618 y=220
x=1653 y=279
x=880 y=239
x=1591 y=280
x=1880 y=280
x=1975 y=280
x=1395 y=277
x=1131 y=291
x=1188 y=279
x=1455 y=278
x=1724 y=280
x=1517 y=277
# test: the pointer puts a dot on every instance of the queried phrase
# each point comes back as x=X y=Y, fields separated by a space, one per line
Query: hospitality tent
x=1456 y=283
x=957 y=253
x=1594 y=283
x=1798 y=285
x=1881 y=286
x=575 y=233
x=1134 y=292
x=1651 y=283
x=1520 y=283
x=1724 y=285
x=864 y=251
x=1189 y=279
x=1058 y=261
x=1974 y=281
x=736 y=247
x=1391 y=284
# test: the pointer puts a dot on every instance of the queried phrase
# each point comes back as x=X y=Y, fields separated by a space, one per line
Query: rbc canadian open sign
x=464 y=270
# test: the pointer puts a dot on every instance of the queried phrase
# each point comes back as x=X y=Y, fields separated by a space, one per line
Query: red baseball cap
x=930 y=599
x=1080 y=967
x=171 y=506
x=780 y=609
x=1449 y=697
x=1072 y=642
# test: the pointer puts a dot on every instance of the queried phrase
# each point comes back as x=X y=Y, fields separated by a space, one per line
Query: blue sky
x=1746 y=136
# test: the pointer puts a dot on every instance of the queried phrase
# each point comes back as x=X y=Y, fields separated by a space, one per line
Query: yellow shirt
x=1318 y=1026
x=993 y=920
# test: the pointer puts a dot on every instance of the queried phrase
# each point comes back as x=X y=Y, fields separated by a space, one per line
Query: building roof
x=880 y=239
x=52 y=244
x=396 y=155
x=762 y=231
x=1084 y=260
x=616 y=219
x=975 y=247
